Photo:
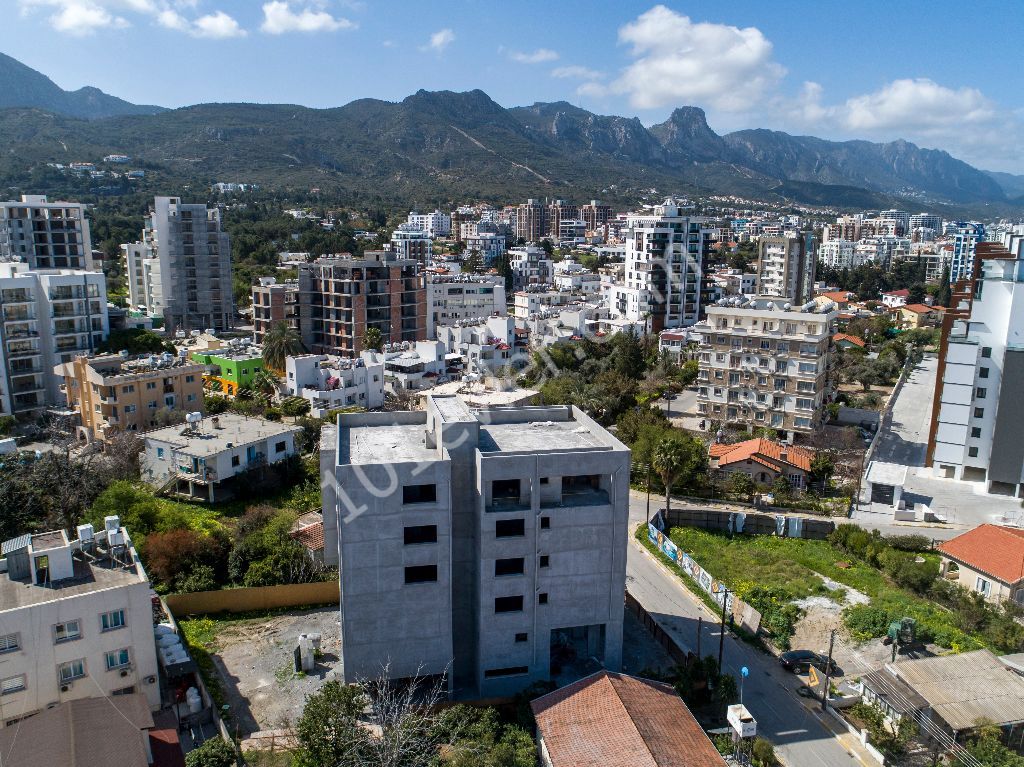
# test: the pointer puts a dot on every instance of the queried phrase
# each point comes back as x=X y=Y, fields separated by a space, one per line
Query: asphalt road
x=800 y=737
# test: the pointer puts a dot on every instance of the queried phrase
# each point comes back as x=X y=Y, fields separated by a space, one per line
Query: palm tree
x=265 y=382
x=280 y=341
x=669 y=461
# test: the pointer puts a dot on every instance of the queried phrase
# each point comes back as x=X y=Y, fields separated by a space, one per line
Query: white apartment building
x=733 y=282
x=436 y=224
x=412 y=365
x=461 y=297
x=45 y=235
x=582 y=283
x=529 y=302
x=665 y=252
x=978 y=412
x=964 y=239
x=838 y=254
x=484 y=345
x=556 y=325
x=76 y=620
x=181 y=269
x=490 y=245
x=409 y=242
x=531 y=267
x=766 y=363
x=924 y=221
x=479 y=548
x=785 y=267
x=47 y=317
x=331 y=382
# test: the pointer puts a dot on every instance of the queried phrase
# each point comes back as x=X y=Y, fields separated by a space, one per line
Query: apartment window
x=542 y=598
x=236 y=460
x=159 y=452
x=986 y=351
x=117 y=659
x=522 y=636
x=128 y=389
x=190 y=379
x=982 y=372
x=804 y=404
x=417 y=534
x=509 y=528
x=421 y=574
x=982 y=586
x=13 y=684
x=981 y=392
x=972 y=452
x=512 y=566
x=151 y=385
x=975 y=432
x=67 y=632
x=112 y=620
x=129 y=408
x=9 y=642
x=419 y=494
x=508 y=604
x=191 y=398
x=153 y=404
x=280 y=447
x=545 y=560
x=780 y=366
x=74 y=669
x=493 y=673
x=979 y=412
x=545 y=523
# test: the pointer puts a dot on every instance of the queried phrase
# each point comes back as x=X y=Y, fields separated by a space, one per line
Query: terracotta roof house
x=918 y=315
x=845 y=341
x=895 y=298
x=763 y=460
x=616 y=720
x=309 y=531
x=842 y=298
x=83 y=733
x=988 y=559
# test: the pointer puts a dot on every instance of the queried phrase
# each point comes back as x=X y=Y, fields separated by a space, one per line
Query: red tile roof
x=615 y=720
x=920 y=308
x=902 y=293
x=991 y=549
x=839 y=296
x=855 y=340
x=311 y=536
x=763 y=451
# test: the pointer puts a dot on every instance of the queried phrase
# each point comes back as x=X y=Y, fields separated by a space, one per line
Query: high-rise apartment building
x=181 y=270
x=595 y=214
x=531 y=267
x=462 y=297
x=785 y=267
x=274 y=302
x=558 y=212
x=532 y=221
x=977 y=412
x=964 y=238
x=436 y=224
x=765 y=363
x=47 y=316
x=45 y=235
x=665 y=251
x=409 y=242
x=924 y=221
x=341 y=298
x=483 y=546
x=902 y=219
x=838 y=254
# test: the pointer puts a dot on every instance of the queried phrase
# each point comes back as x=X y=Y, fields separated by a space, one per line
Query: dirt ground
x=255 y=660
x=639 y=649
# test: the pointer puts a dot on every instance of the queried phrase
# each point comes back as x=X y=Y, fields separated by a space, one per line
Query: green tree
x=473 y=262
x=781 y=489
x=741 y=484
x=944 y=295
x=135 y=341
x=265 y=382
x=629 y=355
x=373 y=340
x=688 y=372
x=328 y=732
x=7 y=423
x=280 y=341
x=213 y=753
x=675 y=457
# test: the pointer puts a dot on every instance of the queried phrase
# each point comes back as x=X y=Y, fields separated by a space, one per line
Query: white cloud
x=538 y=56
x=575 y=72
x=679 y=61
x=217 y=25
x=172 y=20
x=439 y=40
x=77 y=17
x=917 y=105
x=279 y=18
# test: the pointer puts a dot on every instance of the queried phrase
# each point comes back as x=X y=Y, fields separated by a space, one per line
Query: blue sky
x=942 y=74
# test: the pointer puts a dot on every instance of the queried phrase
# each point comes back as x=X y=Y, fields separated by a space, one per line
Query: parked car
x=799 y=661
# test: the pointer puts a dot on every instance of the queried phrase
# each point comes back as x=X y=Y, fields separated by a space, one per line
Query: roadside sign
x=816 y=680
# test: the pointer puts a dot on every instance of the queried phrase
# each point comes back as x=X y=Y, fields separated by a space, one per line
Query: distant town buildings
x=274 y=302
x=329 y=382
x=44 y=234
x=409 y=242
x=436 y=224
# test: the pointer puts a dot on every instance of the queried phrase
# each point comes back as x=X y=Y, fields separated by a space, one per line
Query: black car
x=799 y=661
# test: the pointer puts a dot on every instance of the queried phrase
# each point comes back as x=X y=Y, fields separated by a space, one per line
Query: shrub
x=913 y=543
x=293 y=407
x=763 y=753
x=866 y=621
x=272 y=414
x=213 y=753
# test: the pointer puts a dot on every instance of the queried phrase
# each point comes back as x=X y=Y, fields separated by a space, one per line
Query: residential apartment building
x=484 y=547
x=977 y=414
x=45 y=235
x=202 y=459
x=274 y=302
x=485 y=346
x=785 y=267
x=76 y=620
x=230 y=367
x=415 y=244
x=181 y=269
x=531 y=266
x=763 y=363
x=529 y=302
x=595 y=214
x=924 y=221
x=837 y=254
x=341 y=298
x=47 y=317
x=436 y=224
x=114 y=392
x=964 y=238
x=328 y=381
x=531 y=221
x=559 y=213
x=490 y=245
x=665 y=252
x=462 y=296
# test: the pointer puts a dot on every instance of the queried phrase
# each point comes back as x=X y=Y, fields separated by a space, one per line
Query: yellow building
x=118 y=393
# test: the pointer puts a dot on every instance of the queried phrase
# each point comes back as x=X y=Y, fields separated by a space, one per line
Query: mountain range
x=443 y=146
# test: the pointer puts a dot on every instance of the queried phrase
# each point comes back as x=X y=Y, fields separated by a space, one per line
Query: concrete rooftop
x=231 y=431
x=16 y=594
x=538 y=437
x=389 y=443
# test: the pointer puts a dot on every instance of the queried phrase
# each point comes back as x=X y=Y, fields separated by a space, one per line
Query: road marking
x=791 y=732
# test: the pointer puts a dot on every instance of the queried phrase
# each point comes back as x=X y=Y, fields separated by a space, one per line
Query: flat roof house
x=198 y=458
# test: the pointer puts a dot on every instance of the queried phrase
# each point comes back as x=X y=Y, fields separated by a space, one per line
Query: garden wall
x=754 y=523
x=254 y=599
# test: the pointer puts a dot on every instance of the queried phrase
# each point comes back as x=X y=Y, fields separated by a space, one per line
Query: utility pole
x=828 y=670
x=700 y=625
x=721 y=636
x=648 y=493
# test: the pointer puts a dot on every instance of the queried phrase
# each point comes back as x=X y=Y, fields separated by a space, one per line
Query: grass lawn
x=207 y=517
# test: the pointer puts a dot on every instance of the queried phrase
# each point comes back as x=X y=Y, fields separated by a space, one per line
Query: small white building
x=527 y=302
x=412 y=366
x=197 y=458
x=330 y=382
x=531 y=266
x=76 y=620
x=485 y=345
x=462 y=296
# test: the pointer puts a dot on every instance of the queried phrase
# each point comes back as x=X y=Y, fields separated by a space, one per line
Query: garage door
x=882 y=494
